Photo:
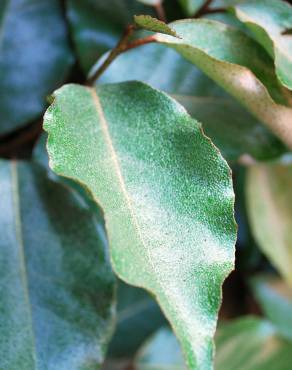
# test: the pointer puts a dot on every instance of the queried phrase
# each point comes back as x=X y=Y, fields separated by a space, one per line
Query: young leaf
x=275 y=298
x=236 y=63
x=166 y=193
x=152 y=24
x=35 y=58
x=270 y=22
x=233 y=130
x=97 y=25
x=269 y=200
x=57 y=287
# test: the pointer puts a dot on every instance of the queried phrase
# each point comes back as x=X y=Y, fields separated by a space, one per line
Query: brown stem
x=122 y=46
x=136 y=43
x=160 y=12
x=202 y=10
x=112 y=55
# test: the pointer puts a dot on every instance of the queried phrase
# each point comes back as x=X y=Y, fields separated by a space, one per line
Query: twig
x=160 y=12
x=14 y=145
x=205 y=9
x=122 y=46
x=202 y=10
x=215 y=10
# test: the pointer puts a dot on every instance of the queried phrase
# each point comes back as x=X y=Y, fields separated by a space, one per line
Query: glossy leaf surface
x=269 y=200
x=230 y=126
x=97 y=25
x=245 y=344
x=57 y=287
x=239 y=65
x=275 y=298
x=166 y=193
x=35 y=59
x=270 y=22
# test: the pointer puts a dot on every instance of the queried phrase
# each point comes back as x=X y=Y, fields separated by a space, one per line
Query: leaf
x=152 y=24
x=35 y=59
x=275 y=298
x=238 y=65
x=268 y=21
x=57 y=288
x=269 y=209
x=249 y=343
x=161 y=351
x=138 y=316
x=234 y=131
x=191 y=6
x=150 y=2
x=97 y=25
x=166 y=193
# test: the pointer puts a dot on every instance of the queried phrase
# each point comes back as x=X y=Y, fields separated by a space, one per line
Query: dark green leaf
x=230 y=126
x=269 y=200
x=57 y=288
x=166 y=193
x=35 y=58
x=269 y=20
x=275 y=298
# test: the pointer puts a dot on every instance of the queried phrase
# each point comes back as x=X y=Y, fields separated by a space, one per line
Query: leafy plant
x=118 y=230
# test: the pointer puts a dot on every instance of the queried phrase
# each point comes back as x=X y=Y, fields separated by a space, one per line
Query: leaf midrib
x=22 y=259
x=105 y=130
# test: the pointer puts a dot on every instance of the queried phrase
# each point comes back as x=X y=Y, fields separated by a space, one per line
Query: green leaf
x=270 y=22
x=191 y=6
x=152 y=24
x=237 y=64
x=233 y=130
x=138 y=316
x=166 y=193
x=97 y=25
x=35 y=59
x=269 y=200
x=57 y=287
x=275 y=298
x=251 y=344
x=245 y=344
